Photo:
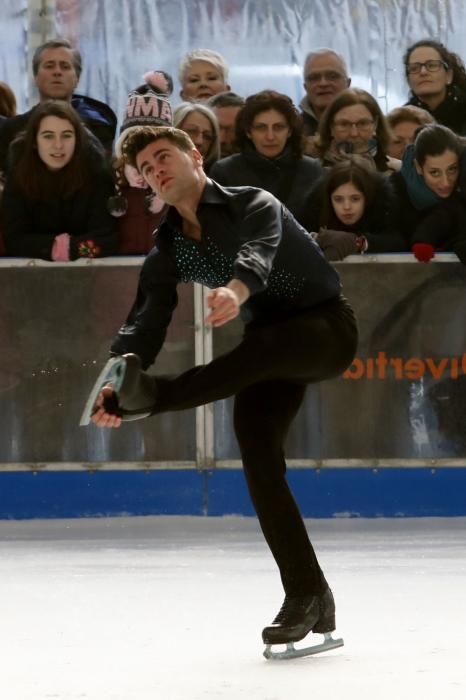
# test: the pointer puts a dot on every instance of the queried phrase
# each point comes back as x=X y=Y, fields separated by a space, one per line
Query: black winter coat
x=30 y=226
x=288 y=178
x=451 y=112
x=442 y=225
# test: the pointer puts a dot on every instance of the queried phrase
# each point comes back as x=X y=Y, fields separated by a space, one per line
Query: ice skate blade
x=114 y=373
x=292 y=653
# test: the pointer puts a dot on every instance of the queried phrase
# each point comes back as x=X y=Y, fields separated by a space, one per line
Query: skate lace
x=285 y=611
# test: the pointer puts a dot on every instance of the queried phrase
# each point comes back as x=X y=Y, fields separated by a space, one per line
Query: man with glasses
x=325 y=76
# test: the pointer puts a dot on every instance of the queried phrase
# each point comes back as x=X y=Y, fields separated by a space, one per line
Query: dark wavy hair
x=435 y=139
x=262 y=102
x=32 y=175
x=348 y=98
x=453 y=61
x=7 y=100
x=357 y=170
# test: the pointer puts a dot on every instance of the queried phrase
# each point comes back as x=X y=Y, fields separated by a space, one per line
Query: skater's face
x=440 y=173
x=348 y=203
x=169 y=171
x=56 y=141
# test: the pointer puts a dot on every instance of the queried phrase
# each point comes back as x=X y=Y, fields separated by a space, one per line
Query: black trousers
x=268 y=372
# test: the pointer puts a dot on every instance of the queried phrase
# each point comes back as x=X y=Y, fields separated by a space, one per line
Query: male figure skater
x=243 y=244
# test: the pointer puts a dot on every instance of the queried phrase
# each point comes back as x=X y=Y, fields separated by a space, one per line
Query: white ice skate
x=292 y=652
x=134 y=390
x=113 y=373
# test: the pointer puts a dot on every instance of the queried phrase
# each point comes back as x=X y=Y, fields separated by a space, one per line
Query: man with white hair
x=202 y=73
x=325 y=76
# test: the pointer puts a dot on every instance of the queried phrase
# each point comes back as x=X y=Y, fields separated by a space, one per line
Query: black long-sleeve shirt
x=247 y=234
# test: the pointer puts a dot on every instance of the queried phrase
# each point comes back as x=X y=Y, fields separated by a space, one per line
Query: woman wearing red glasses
x=437 y=78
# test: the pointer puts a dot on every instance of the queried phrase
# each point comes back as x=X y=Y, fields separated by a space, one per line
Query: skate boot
x=297 y=617
x=134 y=390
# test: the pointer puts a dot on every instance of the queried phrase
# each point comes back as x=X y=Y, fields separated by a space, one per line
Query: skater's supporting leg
x=263 y=414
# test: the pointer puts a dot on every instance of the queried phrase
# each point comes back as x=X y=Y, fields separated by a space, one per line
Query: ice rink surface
x=165 y=608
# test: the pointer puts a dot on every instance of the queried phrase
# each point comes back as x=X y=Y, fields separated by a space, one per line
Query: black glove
x=336 y=245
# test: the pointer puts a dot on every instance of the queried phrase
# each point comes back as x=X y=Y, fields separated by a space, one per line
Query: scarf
x=420 y=194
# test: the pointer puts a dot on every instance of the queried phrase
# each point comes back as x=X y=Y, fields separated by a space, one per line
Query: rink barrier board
x=411 y=366
x=321 y=493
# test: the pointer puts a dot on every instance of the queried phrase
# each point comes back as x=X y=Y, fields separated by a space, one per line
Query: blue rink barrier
x=321 y=493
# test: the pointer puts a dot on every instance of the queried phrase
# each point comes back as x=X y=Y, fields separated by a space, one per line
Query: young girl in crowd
x=430 y=192
x=351 y=211
x=56 y=190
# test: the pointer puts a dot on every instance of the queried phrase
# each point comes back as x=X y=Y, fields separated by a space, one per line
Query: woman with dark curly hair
x=269 y=138
x=58 y=182
x=354 y=124
x=437 y=79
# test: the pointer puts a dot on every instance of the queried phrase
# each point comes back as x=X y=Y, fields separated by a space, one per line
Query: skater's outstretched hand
x=100 y=416
x=225 y=302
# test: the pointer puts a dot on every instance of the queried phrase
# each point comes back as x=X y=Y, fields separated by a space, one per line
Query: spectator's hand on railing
x=423 y=251
x=337 y=245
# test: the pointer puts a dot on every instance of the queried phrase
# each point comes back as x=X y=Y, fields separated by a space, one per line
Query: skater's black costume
x=298 y=330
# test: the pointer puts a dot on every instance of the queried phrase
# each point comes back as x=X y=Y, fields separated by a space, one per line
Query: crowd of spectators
x=358 y=180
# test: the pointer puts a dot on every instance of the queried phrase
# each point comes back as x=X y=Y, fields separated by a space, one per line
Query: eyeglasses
x=331 y=76
x=432 y=66
x=346 y=125
x=195 y=133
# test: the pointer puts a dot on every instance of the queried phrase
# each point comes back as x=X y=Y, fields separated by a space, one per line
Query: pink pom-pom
x=160 y=81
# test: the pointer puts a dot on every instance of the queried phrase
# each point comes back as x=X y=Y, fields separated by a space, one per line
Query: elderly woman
x=437 y=80
x=200 y=123
x=354 y=124
x=202 y=73
x=56 y=191
x=269 y=138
